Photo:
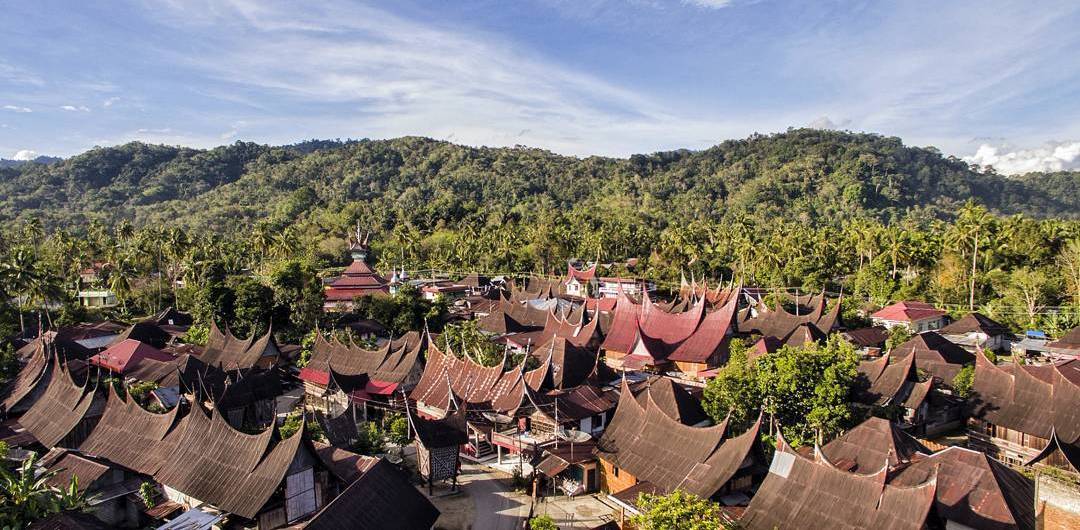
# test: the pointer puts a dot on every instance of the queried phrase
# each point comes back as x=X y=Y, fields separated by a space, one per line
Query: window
x=616 y=471
x=300 y=495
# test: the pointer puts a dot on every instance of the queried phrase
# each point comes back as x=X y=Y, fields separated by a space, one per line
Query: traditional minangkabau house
x=579 y=283
x=936 y=356
x=232 y=353
x=645 y=337
x=14 y=393
x=198 y=457
x=797 y=328
x=193 y=453
x=65 y=410
x=248 y=398
x=537 y=289
x=574 y=326
x=923 y=407
x=677 y=402
x=340 y=376
x=518 y=316
x=973 y=490
x=515 y=410
x=644 y=450
x=438 y=445
x=873 y=442
x=63 y=342
x=811 y=492
x=1027 y=415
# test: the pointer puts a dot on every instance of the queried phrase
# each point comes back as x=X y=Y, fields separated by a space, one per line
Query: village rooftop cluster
x=598 y=395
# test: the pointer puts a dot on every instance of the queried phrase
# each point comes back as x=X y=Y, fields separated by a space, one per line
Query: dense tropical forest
x=246 y=231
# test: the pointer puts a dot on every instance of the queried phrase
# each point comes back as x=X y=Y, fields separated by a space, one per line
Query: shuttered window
x=300 y=495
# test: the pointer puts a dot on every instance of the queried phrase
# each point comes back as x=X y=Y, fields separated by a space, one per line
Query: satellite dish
x=573 y=435
x=495 y=417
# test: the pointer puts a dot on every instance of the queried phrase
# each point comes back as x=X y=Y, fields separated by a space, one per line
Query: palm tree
x=120 y=275
x=974 y=223
x=26 y=496
x=19 y=275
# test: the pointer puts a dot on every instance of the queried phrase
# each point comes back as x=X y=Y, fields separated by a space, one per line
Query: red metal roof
x=358 y=268
x=127 y=353
x=908 y=311
x=334 y=294
x=583 y=276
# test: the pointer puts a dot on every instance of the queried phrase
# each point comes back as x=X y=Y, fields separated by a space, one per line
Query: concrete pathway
x=497 y=508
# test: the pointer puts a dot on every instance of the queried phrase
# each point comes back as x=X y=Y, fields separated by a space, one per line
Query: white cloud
x=14 y=108
x=233 y=131
x=25 y=154
x=110 y=102
x=1054 y=156
x=825 y=122
x=73 y=108
x=708 y=4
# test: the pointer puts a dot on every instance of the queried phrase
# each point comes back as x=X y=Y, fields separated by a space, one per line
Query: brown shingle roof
x=800 y=492
x=60 y=408
x=234 y=471
x=654 y=448
x=130 y=436
x=673 y=399
x=67 y=464
x=381 y=498
x=936 y=355
x=865 y=448
x=974 y=490
x=1015 y=398
x=975 y=322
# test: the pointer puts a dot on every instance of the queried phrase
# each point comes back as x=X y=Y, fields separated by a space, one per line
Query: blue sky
x=994 y=81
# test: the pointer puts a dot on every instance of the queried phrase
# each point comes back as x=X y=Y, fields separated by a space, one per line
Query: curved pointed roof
x=936 y=355
x=801 y=492
x=709 y=340
x=974 y=490
x=60 y=408
x=623 y=330
x=20 y=386
x=231 y=470
x=130 y=435
x=673 y=399
x=864 y=448
x=652 y=446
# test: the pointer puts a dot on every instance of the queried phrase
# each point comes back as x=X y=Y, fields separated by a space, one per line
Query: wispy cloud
x=16 y=108
x=708 y=4
x=14 y=74
x=1054 y=156
x=110 y=101
x=393 y=76
x=73 y=108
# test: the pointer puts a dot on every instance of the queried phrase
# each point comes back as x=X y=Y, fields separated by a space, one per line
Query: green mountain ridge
x=815 y=176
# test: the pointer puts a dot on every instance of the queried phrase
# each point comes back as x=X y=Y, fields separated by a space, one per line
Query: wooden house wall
x=613 y=479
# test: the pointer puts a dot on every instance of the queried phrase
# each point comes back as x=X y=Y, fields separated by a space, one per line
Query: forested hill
x=815 y=176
